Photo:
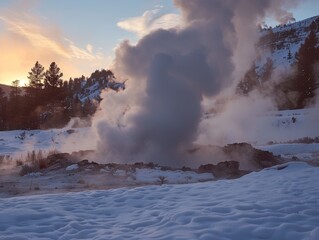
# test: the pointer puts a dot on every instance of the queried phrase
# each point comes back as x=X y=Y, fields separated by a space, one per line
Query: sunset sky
x=81 y=35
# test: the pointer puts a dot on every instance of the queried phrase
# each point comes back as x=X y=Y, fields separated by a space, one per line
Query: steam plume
x=170 y=72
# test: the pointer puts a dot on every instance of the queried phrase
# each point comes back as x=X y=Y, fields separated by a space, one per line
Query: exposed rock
x=261 y=159
x=227 y=169
x=85 y=164
x=239 y=154
x=144 y=165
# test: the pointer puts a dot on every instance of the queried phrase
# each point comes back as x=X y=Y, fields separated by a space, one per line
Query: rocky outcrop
x=227 y=169
x=258 y=158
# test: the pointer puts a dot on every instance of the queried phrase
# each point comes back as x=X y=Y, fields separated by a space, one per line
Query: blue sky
x=80 y=35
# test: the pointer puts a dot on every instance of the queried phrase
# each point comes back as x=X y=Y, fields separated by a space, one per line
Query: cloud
x=89 y=48
x=39 y=37
x=150 y=21
x=25 y=40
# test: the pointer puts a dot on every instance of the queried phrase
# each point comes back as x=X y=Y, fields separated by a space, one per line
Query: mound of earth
x=261 y=159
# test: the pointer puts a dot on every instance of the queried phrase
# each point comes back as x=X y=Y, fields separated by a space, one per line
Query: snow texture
x=19 y=142
x=271 y=204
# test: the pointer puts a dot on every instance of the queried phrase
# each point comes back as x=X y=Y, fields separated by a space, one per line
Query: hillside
x=276 y=43
x=285 y=67
x=5 y=88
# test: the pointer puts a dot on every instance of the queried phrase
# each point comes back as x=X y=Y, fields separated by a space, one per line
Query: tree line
x=49 y=101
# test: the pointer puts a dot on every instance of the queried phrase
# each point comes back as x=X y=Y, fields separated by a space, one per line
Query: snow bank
x=305 y=152
x=270 y=204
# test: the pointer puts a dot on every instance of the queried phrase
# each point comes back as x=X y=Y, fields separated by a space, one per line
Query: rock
x=89 y=165
x=226 y=169
x=144 y=165
x=258 y=158
x=207 y=168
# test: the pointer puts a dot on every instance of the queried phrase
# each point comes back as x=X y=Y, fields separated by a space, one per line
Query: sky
x=81 y=35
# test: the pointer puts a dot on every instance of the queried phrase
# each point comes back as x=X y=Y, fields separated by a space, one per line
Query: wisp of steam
x=171 y=72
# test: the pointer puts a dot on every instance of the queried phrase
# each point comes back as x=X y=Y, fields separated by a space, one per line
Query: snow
x=284 y=43
x=270 y=204
x=92 y=92
x=155 y=175
x=305 y=152
x=72 y=167
x=281 y=202
x=20 y=142
x=260 y=129
x=34 y=174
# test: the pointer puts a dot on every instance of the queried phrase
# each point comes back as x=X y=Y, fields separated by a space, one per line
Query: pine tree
x=36 y=76
x=305 y=80
x=289 y=57
x=53 y=83
x=53 y=76
x=3 y=109
x=14 y=105
x=15 y=89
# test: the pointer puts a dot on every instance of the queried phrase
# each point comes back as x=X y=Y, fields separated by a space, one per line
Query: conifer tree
x=3 y=109
x=36 y=76
x=305 y=80
x=53 y=83
x=53 y=76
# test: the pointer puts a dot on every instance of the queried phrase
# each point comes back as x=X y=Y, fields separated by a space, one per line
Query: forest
x=49 y=101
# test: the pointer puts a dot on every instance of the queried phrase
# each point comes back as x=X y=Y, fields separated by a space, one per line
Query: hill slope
x=5 y=88
x=284 y=39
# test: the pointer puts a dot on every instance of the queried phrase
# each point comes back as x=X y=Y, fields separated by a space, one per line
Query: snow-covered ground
x=276 y=127
x=302 y=151
x=20 y=142
x=271 y=204
x=276 y=203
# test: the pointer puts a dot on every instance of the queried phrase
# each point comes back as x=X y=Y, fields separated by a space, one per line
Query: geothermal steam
x=170 y=72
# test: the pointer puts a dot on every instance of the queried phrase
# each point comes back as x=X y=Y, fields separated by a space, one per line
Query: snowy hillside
x=281 y=40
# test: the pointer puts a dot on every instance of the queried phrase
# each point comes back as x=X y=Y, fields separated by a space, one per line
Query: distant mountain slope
x=5 y=88
x=280 y=44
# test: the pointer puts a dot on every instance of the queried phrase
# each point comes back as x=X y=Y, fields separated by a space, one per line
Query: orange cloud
x=26 y=41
